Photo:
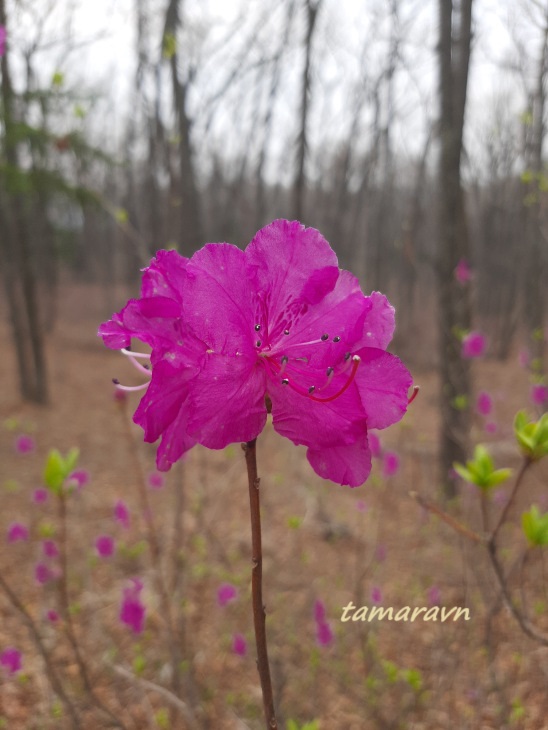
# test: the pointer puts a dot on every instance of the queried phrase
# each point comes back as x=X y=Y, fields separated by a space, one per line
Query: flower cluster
x=234 y=333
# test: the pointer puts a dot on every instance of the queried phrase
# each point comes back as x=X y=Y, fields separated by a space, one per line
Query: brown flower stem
x=257 y=583
x=51 y=673
x=524 y=466
x=69 y=628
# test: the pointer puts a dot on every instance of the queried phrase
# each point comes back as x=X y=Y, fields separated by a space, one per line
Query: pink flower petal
x=473 y=345
x=226 y=593
x=17 y=532
x=10 y=659
x=239 y=645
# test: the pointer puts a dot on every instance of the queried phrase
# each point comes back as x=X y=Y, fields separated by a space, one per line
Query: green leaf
x=498 y=476
x=54 y=473
x=57 y=79
x=169 y=46
x=413 y=678
x=535 y=527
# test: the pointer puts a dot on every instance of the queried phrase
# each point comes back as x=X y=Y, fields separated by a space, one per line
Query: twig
x=175 y=701
x=524 y=466
x=250 y=450
x=69 y=628
x=446 y=518
x=51 y=673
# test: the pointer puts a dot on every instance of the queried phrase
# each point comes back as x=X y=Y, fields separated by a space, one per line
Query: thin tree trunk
x=300 y=180
x=453 y=299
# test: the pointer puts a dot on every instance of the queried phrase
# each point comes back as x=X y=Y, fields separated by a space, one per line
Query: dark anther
x=285 y=381
x=325 y=337
x=347 y=355
x=312 y=389
x=286 y=332
x=329 y=370
x=258 y=343
x=115 y=381
x=336 y=339
x=257 y=327
x=285 y=359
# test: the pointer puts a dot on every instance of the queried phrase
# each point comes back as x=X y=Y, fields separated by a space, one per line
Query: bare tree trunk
x=18 y=265
x=300 y=180
x=191 y=232
x=453 y=299
x=535 y=269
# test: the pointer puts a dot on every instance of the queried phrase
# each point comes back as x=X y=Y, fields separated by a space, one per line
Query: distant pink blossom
x=78 y=479
x=104 y=545
x=319 y=611
x=226 y=593
x=484 y=403
x=52 y=616
x=524 y=358
x=17 y=531
x=434 y=596
x=376 y=595
x=473 y=345
x=50 y=549
x=380 y=553
x=390 y=463
x=3 y=36
x=491 y=427
x=40 y=495
x=156 y=480
x=374 y=445
x=121 y=514
x=43 y=574
x=239 y=645
x=361 y=505
x=463 y=272
x=539 y=394
x=10 y=659
x=500 y=497
x=24 y=444
x=324 y=634
x=132 y=610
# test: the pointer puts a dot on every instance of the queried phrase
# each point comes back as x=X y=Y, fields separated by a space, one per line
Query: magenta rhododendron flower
x=434 y=596
x=361 y=506
x=484 y=403
x=121 y=514
x=132 y=610
x=491 y=427
x=232 y=331
x=24 y=444
x=78 y=479
x=10 y=659
x=52 y=616
x=40 y=495
x=17 y=531
x=390 y=463
x=239 y=645
x=539 y=394
x=473 y=345
x=463 y=272
x=324 y=635
x=50 y=549
x=156 y=480
x=104 y=545
x=42 y=573
x=376 y=595
x=226 y=593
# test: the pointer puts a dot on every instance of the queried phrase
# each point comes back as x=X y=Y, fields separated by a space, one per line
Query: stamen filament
x=414 y=394
x=129 y=388
x=129 y=353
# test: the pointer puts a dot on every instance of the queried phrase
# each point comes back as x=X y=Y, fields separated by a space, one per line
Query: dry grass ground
x=320 y=542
